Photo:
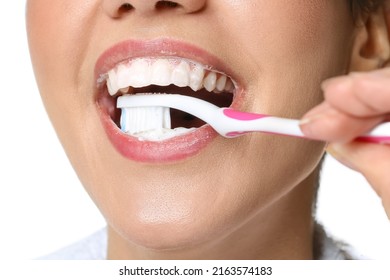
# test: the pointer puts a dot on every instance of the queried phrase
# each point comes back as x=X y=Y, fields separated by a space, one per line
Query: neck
x=284 y=230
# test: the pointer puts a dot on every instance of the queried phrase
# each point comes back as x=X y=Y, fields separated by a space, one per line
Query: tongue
x=149 y=123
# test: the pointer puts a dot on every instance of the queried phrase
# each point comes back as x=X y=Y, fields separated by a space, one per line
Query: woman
x=197 y=195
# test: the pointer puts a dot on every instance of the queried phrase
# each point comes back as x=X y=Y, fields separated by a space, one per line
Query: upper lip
x=131 y=49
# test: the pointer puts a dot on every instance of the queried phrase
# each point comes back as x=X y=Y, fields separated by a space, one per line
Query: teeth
x=221 y=83
x=161 y=73
x=162 y=134
x=229 y=87
x=196 y=78
x=210 y=81
x=142 y=72
x=122 y=77
x=180 y=75
x=112 y=89
x=139 y=74
x=124 y=90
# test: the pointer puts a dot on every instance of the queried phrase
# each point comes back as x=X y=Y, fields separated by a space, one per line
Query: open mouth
x=166 y=75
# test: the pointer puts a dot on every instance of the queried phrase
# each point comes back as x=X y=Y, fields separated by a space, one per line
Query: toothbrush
x=232 y=123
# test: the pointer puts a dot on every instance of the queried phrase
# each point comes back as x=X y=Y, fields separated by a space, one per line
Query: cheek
x=280 y=28
x=58 y=34
x=289 y=47
x=286 y=49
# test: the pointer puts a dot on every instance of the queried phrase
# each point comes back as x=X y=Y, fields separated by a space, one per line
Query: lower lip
x=171 y=150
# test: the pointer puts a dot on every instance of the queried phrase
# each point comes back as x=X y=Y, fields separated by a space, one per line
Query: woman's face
x=198 y=187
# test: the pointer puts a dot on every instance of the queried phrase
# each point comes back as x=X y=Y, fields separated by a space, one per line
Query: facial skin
x=249 y=197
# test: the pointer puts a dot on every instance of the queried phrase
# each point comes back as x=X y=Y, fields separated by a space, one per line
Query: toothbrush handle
x=380 y=134
x=241 y=123
x=235 y=123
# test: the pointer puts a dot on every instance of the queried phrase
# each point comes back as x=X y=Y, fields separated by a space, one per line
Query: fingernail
x=308 y=124
x=326 y=83
x=340 y=153
x=305 y=121
x=311 y=119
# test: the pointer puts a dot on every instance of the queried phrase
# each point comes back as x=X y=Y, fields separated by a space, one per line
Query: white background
x=43 y=206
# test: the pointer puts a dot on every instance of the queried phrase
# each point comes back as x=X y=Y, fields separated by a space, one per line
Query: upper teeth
x=164 y=71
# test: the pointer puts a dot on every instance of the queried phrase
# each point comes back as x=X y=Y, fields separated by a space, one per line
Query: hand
x=353 y=105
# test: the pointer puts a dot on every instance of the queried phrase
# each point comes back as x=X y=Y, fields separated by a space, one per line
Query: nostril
x=166 y=4
x=126 y=7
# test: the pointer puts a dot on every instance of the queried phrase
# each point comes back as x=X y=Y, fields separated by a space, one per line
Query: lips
x=160 y=52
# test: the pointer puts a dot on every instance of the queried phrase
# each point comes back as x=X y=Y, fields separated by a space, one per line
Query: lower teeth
x=161 y=134
x=150 y=123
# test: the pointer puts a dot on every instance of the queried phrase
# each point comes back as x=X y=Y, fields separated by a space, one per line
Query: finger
x=373 y=161
x=360 y=95
x=326 y=123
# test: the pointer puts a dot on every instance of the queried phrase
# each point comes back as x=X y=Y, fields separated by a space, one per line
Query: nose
x=118 y=8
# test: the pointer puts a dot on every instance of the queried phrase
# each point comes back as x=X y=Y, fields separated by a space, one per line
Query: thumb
x=372 y=160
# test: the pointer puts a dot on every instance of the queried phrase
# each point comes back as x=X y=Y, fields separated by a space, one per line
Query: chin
x=179 y=233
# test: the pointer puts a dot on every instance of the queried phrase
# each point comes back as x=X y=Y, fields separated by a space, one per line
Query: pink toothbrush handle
x=266 y=123
x=375 y=139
